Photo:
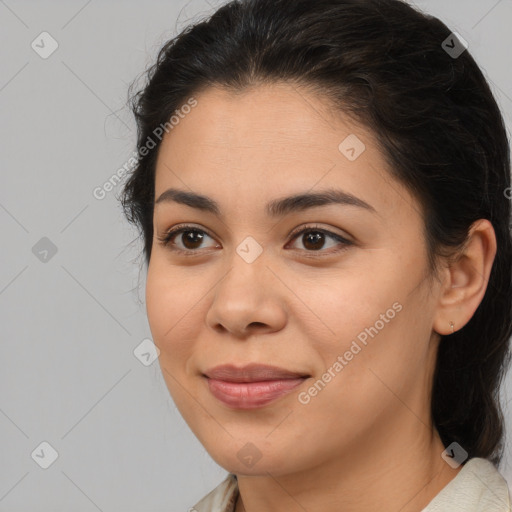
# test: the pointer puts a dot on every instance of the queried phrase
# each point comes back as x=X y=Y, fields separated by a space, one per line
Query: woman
x=322 y=194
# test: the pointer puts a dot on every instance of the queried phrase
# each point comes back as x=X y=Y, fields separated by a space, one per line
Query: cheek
x=354 y=391
x=173 y=303
x=174 y=323
x=371 y=332
x=349 y=306
x=384 y=355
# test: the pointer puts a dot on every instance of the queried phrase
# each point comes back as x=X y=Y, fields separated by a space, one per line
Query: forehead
x=273 y=139
x=270 y=115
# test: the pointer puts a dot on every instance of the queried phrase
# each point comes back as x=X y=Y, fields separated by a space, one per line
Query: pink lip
x=251 y=386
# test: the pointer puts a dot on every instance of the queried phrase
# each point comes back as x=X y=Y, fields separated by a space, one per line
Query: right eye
x=189 y=236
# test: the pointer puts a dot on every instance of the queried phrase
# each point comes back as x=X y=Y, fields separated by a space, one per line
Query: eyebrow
x=275 y=208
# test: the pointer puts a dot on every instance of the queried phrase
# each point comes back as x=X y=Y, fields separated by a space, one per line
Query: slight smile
x=251 y=386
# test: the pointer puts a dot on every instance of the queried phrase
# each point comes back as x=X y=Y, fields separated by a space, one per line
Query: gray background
x=70 y=324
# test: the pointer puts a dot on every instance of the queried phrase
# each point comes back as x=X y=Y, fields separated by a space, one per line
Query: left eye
x=314 y=239
x=191 y=238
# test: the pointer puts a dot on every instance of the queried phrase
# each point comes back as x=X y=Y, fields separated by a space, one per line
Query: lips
x=251 y=373
x=251 y=386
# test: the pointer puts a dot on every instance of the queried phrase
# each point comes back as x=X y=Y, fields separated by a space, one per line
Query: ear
x=465 y=280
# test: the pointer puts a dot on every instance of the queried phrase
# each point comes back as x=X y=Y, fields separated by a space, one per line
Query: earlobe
x=466 y=279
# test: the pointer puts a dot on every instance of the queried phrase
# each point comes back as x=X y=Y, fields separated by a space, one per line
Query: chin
x=248 y=459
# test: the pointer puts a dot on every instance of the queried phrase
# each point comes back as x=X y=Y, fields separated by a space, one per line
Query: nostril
x=257 y=324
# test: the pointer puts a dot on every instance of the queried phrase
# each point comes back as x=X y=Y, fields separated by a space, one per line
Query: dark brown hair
x=436 y=121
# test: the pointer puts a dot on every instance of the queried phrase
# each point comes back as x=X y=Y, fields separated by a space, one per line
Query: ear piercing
x=451 y=325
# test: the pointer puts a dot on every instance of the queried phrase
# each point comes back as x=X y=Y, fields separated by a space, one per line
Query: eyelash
x=165 y=240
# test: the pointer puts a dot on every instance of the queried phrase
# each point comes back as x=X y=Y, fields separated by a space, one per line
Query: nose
x=247 y=300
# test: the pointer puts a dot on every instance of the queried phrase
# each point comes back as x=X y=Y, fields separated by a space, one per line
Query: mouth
x=251 y=386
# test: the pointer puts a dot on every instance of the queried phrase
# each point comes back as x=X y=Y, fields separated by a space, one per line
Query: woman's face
x=353 y=319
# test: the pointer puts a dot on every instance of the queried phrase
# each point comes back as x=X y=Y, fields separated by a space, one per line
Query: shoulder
x=221 y=499
x=478 y=487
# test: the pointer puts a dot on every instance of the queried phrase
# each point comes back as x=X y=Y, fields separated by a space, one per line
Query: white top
x=478 y=487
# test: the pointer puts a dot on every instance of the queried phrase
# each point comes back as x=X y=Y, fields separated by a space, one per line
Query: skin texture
x=366 y=438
